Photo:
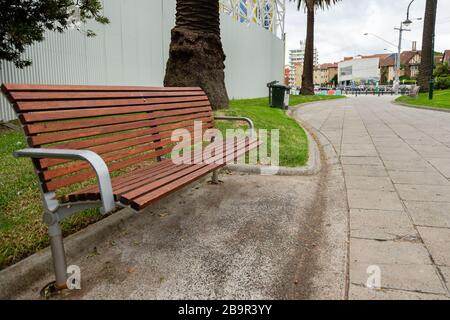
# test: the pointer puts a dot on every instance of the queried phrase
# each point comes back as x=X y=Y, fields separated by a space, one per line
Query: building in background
x=387 y=69
x=446 y=57
x=287 y=73
x=297 y=56
x=359 y=70
x=325 y=73
x=298 y=74
x=410 y=62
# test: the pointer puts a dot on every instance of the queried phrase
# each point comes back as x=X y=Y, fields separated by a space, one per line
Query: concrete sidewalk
x=396 y=163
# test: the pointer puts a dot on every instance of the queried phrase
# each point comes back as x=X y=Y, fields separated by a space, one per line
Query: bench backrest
x=125 y=125
x=415 y=91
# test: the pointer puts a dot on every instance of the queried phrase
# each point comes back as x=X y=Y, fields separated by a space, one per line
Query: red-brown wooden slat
x=46 y=127
x=120 y=144
x=109 y=156
x=88 y=132
x=84 y=144
x=93 y=193
x=178 y=183
x=39 y=116
x=93 y=122
x=88 y=174
x=139 y=191
x=78 y=166
x=46 y=87
x=118 y=191
x=25 y=106
x=64 y=95
x=130 y=184
x=141 y=176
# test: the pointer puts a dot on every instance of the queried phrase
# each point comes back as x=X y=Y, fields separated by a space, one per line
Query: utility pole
x=431 y=91
x=398 y=60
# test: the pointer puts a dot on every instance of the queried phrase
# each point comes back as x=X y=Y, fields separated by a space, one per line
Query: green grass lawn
x=22 y=231
x=441 y=100
x=293 y=141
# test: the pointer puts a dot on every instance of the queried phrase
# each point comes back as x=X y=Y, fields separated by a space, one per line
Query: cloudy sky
x=340 y=29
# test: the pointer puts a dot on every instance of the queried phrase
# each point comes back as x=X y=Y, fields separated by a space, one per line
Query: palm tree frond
x=318 y=4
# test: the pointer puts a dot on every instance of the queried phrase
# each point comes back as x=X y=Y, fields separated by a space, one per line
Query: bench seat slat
x=143 y=186
x=145 y=200
x=86 y=175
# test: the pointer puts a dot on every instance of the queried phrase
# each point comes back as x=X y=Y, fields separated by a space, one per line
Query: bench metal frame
x=55 y=212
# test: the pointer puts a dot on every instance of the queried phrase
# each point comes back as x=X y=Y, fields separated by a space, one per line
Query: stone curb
x=420 y=107
x=312 y=166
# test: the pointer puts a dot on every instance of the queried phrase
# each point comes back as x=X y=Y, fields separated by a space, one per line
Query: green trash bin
x=279 y=96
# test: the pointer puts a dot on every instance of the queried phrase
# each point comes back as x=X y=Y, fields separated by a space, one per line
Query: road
x=396 y=164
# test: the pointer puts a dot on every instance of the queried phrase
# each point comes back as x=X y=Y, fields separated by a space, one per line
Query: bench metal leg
x=59 y=255
x=215 y=177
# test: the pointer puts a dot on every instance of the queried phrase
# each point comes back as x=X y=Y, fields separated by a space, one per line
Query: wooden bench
x=119 y=135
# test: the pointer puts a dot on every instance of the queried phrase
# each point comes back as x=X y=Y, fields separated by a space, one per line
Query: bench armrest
x=249 y=121
x=96 y=162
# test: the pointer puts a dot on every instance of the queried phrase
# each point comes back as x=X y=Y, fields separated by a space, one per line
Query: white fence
x=133 y=50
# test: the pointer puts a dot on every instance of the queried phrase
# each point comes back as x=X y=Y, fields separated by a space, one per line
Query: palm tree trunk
x=308 y=65
x=196 y=56
x=426 y=65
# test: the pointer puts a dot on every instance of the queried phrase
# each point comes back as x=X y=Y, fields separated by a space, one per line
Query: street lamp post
x=405 y=23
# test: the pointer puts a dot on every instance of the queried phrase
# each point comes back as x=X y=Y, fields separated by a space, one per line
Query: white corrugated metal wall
x=133 y=50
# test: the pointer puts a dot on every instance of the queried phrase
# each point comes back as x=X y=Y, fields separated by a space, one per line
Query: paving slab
x=445 y=271
x=363 y=293
x=381 y=225
x=369 y=183
x=369 y=199
x=442 y=165
x=388 y=252
x=423 y=278
x=437 y=241
x=364 y=170
x=424 y=192
x=413 y=166
x=429 y=177
x=358 y=150
x=368 y=161
x=432 y=214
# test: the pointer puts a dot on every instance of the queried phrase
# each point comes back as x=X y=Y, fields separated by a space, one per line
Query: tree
x=427 y=59
x=196 y=56
x=310 y=6
x=24 y=22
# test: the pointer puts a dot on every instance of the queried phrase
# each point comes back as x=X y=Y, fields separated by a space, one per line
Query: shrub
x=442 y=83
